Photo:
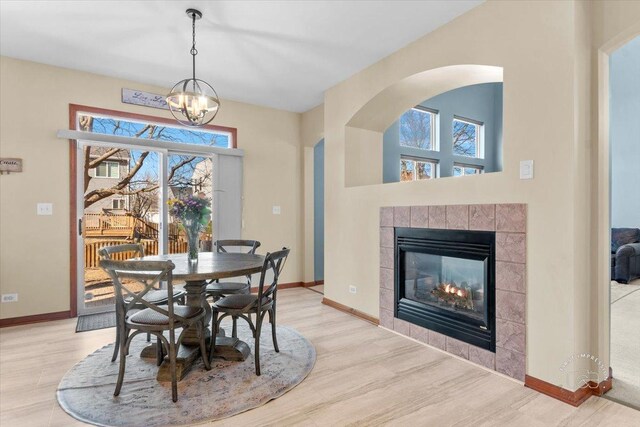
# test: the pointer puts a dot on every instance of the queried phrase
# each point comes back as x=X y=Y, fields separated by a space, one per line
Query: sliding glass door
x=124 y=200
x=127 y=168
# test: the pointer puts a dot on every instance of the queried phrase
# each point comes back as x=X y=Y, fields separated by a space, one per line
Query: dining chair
x=133 y=280
x=242 y=305
x=156 y=296
x=217 y=289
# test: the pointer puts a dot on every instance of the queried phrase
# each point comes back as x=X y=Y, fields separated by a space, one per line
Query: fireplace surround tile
x=482 y=357
x=386 y=318
x=402 y=216
x=386 y=257
x=437 y=217
x=510 y=276
x=438 y=340
x=419 y=333
x=457 y=347
x=420 y=216
x=510 y=363
x=509 y=222
x=510 y=306
x=457 y=217
x=386 y=217
x=402 y=327
x=386 y=237
x=386 y=278
x=482 y=217
x=511 y=247
x=511 y=217
x=510 y=335
x=386 y=299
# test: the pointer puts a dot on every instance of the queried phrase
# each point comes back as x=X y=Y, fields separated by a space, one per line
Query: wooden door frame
x=73 y=180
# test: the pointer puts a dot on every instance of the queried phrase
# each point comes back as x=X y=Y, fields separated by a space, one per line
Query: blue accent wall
x=318 y=211
x=624 y=134
x=481 y=102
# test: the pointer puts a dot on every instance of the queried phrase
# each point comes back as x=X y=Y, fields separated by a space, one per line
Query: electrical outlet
x=9 y=297
x=276 y=210
x=353 y=289
x=44 y=209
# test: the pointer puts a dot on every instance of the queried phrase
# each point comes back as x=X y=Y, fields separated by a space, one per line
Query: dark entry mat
x=91 y=322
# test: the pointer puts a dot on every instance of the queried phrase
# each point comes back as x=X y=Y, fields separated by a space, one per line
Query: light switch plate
x=45 y=209
x=276 y=210
x=9 y=297
x=526 y=169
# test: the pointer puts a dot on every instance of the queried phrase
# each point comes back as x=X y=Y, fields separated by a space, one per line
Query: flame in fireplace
x=454 y=295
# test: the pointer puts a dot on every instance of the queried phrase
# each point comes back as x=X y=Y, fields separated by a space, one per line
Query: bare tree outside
x=465 y=138
x=416 y=129
x=137 y=181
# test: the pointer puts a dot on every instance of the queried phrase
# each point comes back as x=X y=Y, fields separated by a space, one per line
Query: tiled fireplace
x=503 y=225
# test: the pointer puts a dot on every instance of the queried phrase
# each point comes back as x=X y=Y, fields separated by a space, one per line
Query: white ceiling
x=281 y=54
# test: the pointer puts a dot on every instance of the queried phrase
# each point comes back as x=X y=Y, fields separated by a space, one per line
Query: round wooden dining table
x=210 y=265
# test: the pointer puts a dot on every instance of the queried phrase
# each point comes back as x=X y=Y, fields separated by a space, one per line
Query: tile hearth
x=509 y=223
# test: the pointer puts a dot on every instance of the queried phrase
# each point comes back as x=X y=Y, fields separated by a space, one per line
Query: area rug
x=91 y=322
x=86 y=391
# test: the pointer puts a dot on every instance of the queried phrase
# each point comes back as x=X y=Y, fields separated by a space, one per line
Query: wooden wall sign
x=8 y=165
x=146 y=99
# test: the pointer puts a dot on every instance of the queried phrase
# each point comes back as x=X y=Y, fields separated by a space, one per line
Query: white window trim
x=435 y=134
x=479 y=136
x=466 y=165
x=434 y=162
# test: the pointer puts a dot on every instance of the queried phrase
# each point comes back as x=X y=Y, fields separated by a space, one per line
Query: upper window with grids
x=467 y=138
x=418 y=129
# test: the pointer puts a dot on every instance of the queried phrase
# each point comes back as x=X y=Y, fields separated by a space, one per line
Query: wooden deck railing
x=124 y=226
x=91 y=257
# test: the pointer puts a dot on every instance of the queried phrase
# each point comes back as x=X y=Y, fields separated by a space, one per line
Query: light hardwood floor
x=364 y=375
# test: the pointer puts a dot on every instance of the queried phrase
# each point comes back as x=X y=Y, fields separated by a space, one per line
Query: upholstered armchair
x=625 y=254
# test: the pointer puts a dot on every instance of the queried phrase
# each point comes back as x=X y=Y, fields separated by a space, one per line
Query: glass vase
x=193 y=241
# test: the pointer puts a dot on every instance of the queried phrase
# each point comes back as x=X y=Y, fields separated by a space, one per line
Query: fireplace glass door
x=455 y=284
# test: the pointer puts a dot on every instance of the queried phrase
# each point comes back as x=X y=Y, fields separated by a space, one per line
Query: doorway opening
x=624 y=184
x=318 y=217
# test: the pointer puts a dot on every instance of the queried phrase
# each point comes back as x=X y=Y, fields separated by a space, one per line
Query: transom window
x=418 y=129
x=157 y=131
x=463 y=170
x=413 y=169
x=467 y=138
x=108 y=169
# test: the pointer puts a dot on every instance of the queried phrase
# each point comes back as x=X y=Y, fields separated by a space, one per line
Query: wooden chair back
x=223 y=245
x=273 y=262
x=122 y=252
x=132 y=280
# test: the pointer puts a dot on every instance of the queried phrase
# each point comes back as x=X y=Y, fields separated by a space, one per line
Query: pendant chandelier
x=193 y=102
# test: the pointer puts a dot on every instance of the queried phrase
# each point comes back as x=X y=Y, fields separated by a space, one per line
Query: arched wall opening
x=364 y=131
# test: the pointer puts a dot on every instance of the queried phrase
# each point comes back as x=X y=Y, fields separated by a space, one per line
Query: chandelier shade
x=193 y=102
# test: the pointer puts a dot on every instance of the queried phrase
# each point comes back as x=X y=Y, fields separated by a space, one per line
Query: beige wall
x=543 y=48
x=34 y=250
